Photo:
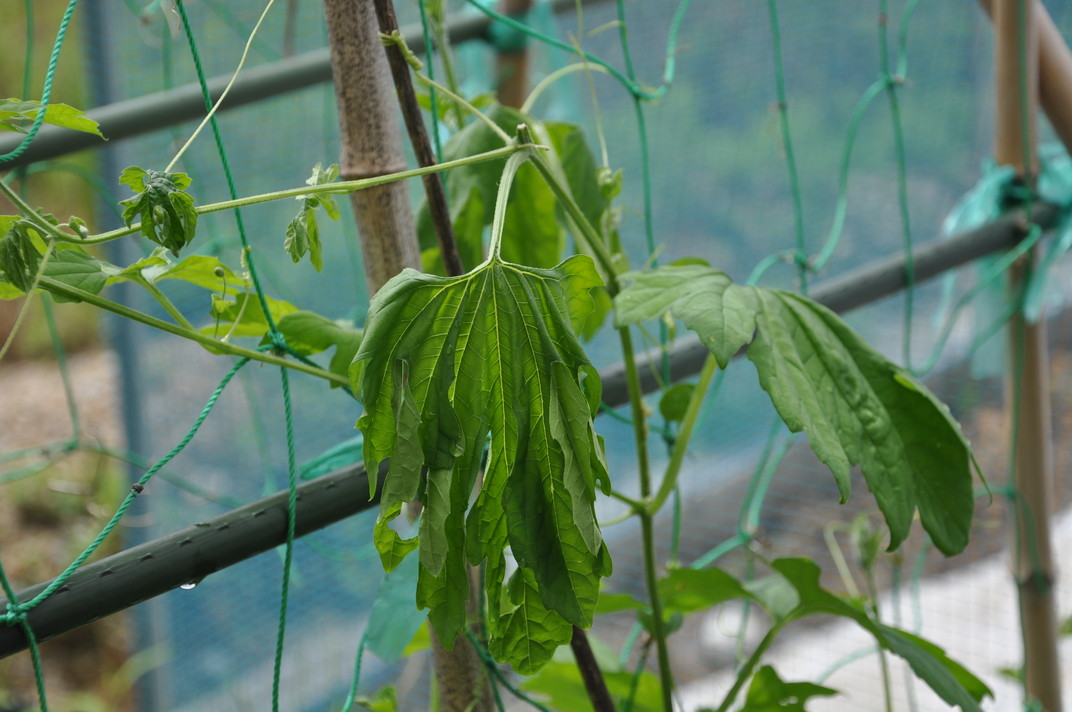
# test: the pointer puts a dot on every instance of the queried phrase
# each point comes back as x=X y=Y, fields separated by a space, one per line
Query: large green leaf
x=162 y=204
x=856 y=406
x=448 y=362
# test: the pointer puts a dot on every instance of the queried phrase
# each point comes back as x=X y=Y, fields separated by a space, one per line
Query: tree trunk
x=371 y=141
x=371 y=145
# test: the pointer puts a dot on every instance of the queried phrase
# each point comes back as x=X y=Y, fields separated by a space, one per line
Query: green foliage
x=448 y=361
x=768 y=693
x=166 y=211
x=17 y=115
x=20 y=252
x=302 y=234
x=856 y=406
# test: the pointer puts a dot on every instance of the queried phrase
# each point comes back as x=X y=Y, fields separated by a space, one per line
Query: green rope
x=46 y=92
x=288 y=557
x=273 y=332
x=136 y=489
x=16 y=615
x=800 y=256
x=890 y=82
x=351 y=696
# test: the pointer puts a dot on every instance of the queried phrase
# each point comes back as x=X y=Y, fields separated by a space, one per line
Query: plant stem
x=499 y=217
x=750 y=665
x=647 y=524
x=590 y=672
x=422 y=147
x=58 y=287
x=681 y=443
x=325 y=189
x=168 y=305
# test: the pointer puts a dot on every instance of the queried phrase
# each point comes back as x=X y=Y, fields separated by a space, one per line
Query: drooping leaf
x=768 y=693
x=18 y=115
x=162 y=204
x=445 y=363
x=856 y=406
x=948 y=679
x=690 y=590
x=20 y=254
x=302 y=234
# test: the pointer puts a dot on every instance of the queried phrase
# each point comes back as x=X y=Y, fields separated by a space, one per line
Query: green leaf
x=394 y=619
x=166 y=211
x=200 y=270
x=244 y=316
x=384 y=700
x=617 y=602
x=560 y=686
x=74 y=266
x=856 y=406
x=531 y=233
x=768 y=693
x=675 y=401
x=580 y=169
x=310 y=333
x=20 y=257
x=302 y=234
x=17 y=115
x=448 y=362
x=690 y=590
x=527 y=634
x=948 y=679
x=721 y=314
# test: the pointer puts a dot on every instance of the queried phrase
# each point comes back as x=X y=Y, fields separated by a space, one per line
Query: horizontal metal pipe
x=152 y=112
x=187 y=556
x=158 y=566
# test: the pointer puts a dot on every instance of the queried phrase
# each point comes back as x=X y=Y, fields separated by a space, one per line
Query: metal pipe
x=153 y=568
x=187 y=556
x=133 y=117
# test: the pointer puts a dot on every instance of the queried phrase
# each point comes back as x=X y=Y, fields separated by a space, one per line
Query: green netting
x=785 y=142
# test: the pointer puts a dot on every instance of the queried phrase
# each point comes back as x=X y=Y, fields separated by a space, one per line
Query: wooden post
x=371 y=141
x=1017 y=54
x=512 y=66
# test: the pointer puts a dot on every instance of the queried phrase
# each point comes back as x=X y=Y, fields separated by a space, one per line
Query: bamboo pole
x=1017 y=64
x=371 y=143
x=512 y=65
x=1054 y=72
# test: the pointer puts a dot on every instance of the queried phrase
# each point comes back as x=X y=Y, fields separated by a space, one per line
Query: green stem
x=499 y=218
x=588 y=234
x=58 y=287
x=34 y=216
x=750 y=665
x=553 y=77
x=681 y=444
x=324 y=189
x=168 y=305
x=640 y=434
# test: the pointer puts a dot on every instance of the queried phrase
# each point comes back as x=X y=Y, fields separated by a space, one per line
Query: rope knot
x=277 y=343
x=15 y=614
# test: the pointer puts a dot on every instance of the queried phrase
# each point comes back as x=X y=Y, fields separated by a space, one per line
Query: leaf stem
x=681 y=443
x=168 y=305
x=58 y=287
x=499 y=219
x=326 y=189
x=34 y=216
x=647 y=524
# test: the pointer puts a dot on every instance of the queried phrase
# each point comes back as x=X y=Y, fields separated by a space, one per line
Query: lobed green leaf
x=17 y=115
x=856 y=406
x=448 y=362
x=166 y=211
